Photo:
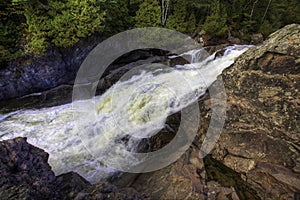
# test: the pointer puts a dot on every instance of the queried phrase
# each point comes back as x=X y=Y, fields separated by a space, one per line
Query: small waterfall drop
x=136 y=106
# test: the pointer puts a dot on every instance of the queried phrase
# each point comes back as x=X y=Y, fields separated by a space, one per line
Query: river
x=87 y=136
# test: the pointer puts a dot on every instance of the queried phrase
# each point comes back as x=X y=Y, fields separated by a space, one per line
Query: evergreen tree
x=62 y=23
x=11 y=30
x=32 y=25
x=216 y=22
x=149 y=14
x=179 y=19
x=117 y=18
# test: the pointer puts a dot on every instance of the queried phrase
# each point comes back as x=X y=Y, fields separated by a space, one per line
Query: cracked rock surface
x=26 y=174
x=261 y=136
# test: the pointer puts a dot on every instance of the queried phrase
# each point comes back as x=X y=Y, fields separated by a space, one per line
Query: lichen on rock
x=260 y=139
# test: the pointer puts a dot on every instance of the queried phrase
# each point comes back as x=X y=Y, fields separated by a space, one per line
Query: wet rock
x=216 y=48
x=136 y=55
x=70 y=184
x=24 y=171
x=26 y=174
x=116 y=72
x=62 y=94
x=53 y=97
x=260 y=139
x=257 y=38
x=59 y=66
x=178 y=61
x=209 y=40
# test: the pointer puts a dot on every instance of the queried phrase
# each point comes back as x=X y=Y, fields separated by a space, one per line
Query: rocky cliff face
x=59 y=66
x=34 y=74
x=260 y=139
x=257 y=154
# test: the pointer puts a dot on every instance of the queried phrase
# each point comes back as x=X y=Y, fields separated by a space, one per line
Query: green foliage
x=117 y=18
x=149 y=14
x=216 y=22
x=266 y=28
x=79 y=19
x=200 y=8
x=191 y=25
x=62 y=23
x=16 y=2
x=36 y=32
x=10 y=31
x=292 y=12
x=180 y=19
x=31 y=25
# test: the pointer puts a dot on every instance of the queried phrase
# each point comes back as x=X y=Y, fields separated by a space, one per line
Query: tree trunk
x=253 y=9
x=164 y=11
x=263 y=19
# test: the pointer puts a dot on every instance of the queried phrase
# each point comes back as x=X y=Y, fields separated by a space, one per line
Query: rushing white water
x=75 y=134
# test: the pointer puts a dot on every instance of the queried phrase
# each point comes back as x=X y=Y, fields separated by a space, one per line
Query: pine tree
x=149 y=14
x=11 y=30
x=62 y=23
x=216 y=22
x=117 y=18
x=181 y=20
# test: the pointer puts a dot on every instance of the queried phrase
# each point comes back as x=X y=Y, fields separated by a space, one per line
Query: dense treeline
x=29 y=26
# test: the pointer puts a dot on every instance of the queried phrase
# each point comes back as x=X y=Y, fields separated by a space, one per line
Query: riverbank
x=257 y=155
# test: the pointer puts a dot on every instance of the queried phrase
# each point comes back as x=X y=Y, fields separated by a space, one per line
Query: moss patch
x=228 y=178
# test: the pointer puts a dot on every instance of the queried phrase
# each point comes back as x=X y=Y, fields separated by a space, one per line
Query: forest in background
x=30 y=26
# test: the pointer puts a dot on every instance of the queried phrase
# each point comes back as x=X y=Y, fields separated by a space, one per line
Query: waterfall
x=137 y=105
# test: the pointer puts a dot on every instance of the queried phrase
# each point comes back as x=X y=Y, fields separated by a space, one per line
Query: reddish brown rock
x=260 y=139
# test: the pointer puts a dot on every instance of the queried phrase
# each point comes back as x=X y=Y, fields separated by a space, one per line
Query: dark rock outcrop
x=24 y=171
x=31 y=74
x=26 y=174
x=260 y=139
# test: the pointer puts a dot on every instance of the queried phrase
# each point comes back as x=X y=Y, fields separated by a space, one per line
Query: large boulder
x=26 y=174
x=24 y=171
x=260 y=139
x=31 y=73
